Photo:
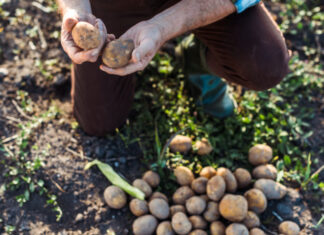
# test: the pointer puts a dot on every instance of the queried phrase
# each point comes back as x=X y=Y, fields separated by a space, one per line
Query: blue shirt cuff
x=242 y=5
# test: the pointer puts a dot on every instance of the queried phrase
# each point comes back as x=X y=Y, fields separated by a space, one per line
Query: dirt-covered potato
x=195 y=205
x=212 y=212
x=177 y=208
x=152 y=178
x=184 y=175
x=143 y=186
x=267 y=171
x=138 y=207
x=115 y=197
x=181 y=144
x=199 y=185
x=289 y=228
x=271 y=189
x=198 y=232
x=233 y=207
x=159 y=208
x=118 y=53
x=86 y=36
x=216 y=188
x=181 y=223
x=165 y=228
x=181 y=195
x=230 y=180
x=217 y=228
x=203 y=147
x=145 y=225
x=208 y=172
x=251 y=220
x=256 y=199
x=260 y=154
x=236 y=229
x=198 y=222
x=257 y=231
x=243 y=177
x=159 y=195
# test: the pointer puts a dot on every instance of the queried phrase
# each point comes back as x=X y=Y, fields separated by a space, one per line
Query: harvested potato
x=217 y=228
x=267 y=171
x=203 y=147
x=260 y=154
x=195 y=205
x=251 y=220
x=145 y=225
x=86 y=36
x=181 y=223
x=198 y=222
x=233 y=207
x=138 y=207
x=143 y=186
x=159 y=208
x=184 y=175
x=231 y=184
x=118 y=53
x=257 y=231
x=159 y=195
x=115 y=197
x=216 y=188
x=236 y=229
x=181 y=144
x=177 y=208
x=256 y=199
x=243 y=177
x=152 y=178
x=289 y=228
x=208 y=172
x=212 y=212
x=199 y=185
x=198 y=232
x=165 y=228
x=271 y=189
x=181 y=195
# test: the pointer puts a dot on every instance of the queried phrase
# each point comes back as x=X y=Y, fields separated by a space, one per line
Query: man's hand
x=147 y=37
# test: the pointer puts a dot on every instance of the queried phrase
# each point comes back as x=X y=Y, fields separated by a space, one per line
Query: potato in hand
x=118 y=53
x=86 y=36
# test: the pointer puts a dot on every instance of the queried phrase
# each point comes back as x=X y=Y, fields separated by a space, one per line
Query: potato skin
x=208 y=172
x=159 y=195
x=199 y=185
x=267 y=171
x=256 y=199
x=164 y=228
x=251 y=220
x=184 y=175
x=145 y=225
x=257 y=231
x=217 y=228
x=216 y=188
x=181 y=223
x=289 y=228
x=195 y=205
x=115 y=197
x=198 y=222
x=152 y=178
x=198 y=232
x=203 y=147
x=181 y=144
x=181 y=195
x=212 y=212
x=138 y=207
x=177 y=208
x=230 y=180
x=243 y=177
x=260 y=154
x=271 y=189
x=143 y=186
x=86 y=36
x=159 y=208
x=233 y=207
x=118 y=53
x=236 y=229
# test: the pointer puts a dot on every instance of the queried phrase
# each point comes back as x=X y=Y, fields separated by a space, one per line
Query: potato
x=208 y=172
x=181 y=223
x=159 y=208
x=159 y=195
x=243 y=177
x=256 y=231
x=231 y=184
x=143 y=186
x=267 y=171
x=251 y=220
x=199 y=185
x=203 y=147
x=256 y=199
x=289 y=228
x=181 y=195
x=115 y=197
x=260 y=154
x=236 y=229
x=198 y=222
x=181 y=144
x=152 y=178
x=184 y=175
x=212 y=212
x=118 y=53
x=198 y=232
x=165 y=228
x=217 y=228
x=138 y=207
x=233 y=207
x=271 y=189
x=216 y=188
x=145 y=225
x=177 y=208
x=86 y=36
x=195 y=205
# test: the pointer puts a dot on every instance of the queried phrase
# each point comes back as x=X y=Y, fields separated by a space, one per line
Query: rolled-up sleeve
x=242 y=5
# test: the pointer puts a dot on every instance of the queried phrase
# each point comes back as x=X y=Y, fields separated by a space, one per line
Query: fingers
x=146 y=48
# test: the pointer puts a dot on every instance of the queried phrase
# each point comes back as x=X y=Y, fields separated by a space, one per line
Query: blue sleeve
x=242 y=5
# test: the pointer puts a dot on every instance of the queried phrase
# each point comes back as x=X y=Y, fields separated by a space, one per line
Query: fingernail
x=137 y=56
x=93 y=54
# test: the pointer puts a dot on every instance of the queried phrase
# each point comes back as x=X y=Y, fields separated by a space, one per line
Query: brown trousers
x=245 y=48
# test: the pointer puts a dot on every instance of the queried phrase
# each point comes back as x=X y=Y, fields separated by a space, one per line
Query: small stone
x=78 y=218
x=3 y=72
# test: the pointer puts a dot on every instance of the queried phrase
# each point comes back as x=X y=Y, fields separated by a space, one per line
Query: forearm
x=191 y=14
x=77 y=5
